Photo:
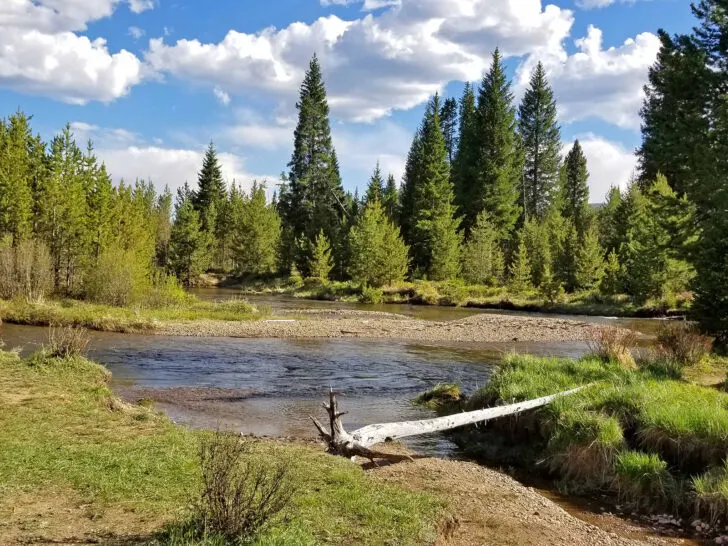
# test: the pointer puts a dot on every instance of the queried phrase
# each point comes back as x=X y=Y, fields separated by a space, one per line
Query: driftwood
x=359 y=442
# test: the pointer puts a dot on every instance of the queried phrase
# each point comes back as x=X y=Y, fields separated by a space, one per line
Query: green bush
x=372 y=295
x=165 y=291
x=119 y=278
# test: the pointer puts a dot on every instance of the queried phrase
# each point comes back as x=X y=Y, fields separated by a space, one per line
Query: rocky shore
x=374 y=325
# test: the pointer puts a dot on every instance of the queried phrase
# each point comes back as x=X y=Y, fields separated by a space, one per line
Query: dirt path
x=490 y=508
x=362 y=324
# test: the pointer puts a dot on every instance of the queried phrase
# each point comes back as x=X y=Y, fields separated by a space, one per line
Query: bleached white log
x=358 y=442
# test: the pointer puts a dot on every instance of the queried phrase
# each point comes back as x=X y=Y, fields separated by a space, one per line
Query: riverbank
x=456 y=294
x=77 y=465
x=239 y=319
x=653 y=438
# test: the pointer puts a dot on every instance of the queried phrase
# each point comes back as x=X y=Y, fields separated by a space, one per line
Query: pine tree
x=567 y=257
x=589 y=261
x=375 y=189
x=551 y=289
x=520 y=271
x=378 y=254
x=482 y=257
x=465 y=163
x=63 y=210
x=537 y=236
x=499 y=157
x=611 y=283
x=410 y=186
x=99 y=197
x=391 y=199
x=448 y=123
x=609 y=220
x=575 y=189
x=312 y=200
x=320 y=263
x=676 y=134
x=211 y=190
x=16 y=206
x=189 y=244
x=163 y=216
x=436 y=239
x=256 y=234
x=541 y=138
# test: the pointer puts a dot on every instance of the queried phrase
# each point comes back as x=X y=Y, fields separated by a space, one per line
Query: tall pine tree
x=211 y=191
x=575 y=188
x=436 y=238
x=313 y=198
x=464 y=166
x=499 y=158
x=541 y=137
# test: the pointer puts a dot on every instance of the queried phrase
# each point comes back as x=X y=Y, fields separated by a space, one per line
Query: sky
x=152 y=82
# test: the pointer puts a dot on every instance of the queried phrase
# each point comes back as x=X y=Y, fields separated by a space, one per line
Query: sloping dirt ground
x=490 y=508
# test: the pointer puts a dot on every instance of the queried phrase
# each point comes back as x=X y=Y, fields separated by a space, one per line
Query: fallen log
x=341 y=442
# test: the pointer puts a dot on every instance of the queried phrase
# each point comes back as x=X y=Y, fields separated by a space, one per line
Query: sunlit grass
x=61 y=429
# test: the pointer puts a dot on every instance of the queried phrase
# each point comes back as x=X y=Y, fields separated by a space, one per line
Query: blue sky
x=153 y=81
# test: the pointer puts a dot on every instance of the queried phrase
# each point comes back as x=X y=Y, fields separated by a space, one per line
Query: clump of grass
x=583 y=445
x=711 y=493
x=686 y=424
x=440 y=396
x=613 y=345
x=683 y=343
x=643 y=480
x=67 y=342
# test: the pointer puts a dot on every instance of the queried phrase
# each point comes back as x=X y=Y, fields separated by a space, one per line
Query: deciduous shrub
x=67 y=342
x=683 y=343
x=26 y=270
x=241 y=492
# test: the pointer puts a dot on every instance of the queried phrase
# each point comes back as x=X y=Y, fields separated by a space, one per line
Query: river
x=271 y=386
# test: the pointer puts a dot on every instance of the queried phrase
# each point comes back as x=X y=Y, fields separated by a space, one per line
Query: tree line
x=486 y=197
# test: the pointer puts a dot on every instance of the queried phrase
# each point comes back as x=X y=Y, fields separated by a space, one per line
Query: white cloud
x=394 y=60
x=610 y=164
x=40 y=52
x=138 y=6
x=136 y=32
x=359 y=149
x=221 y=95
x=598 y=4
x=598 y=82
x=128 y=156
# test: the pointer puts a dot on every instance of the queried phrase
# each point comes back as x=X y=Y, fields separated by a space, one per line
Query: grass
x=457 y=293
x=68 y=312
x=635 y=432
x=66 y=442
x=440 y=396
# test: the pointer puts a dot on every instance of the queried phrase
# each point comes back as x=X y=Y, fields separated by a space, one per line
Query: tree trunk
x=341 y=442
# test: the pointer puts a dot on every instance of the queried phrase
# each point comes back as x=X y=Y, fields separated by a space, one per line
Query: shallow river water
x=270 y=386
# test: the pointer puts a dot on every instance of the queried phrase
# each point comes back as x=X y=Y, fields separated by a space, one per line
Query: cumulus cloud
x=375 y=64
x=41 y=53
x=610 y=164
x=136 y=32
x=598 y=82
x=128 y=156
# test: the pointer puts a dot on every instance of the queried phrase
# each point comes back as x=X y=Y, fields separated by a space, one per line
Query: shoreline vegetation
x=650 y=429
x=236 y=318
x=454 y=294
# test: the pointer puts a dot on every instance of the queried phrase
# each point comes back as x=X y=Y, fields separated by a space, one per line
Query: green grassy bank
x=654 y=440
x=458 y=294
x=69 y=312
x=76 y=464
